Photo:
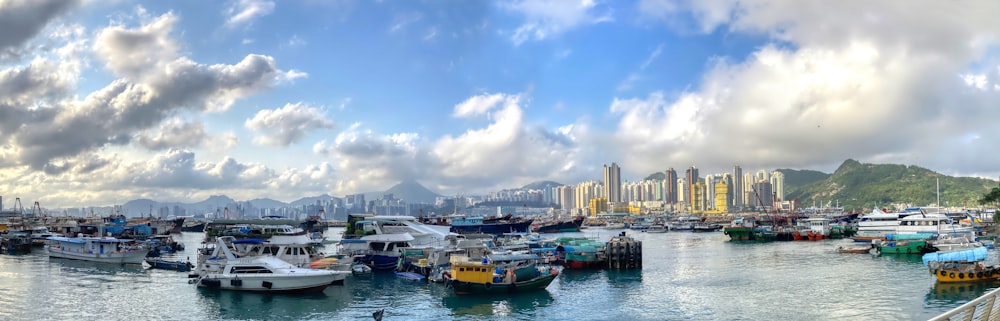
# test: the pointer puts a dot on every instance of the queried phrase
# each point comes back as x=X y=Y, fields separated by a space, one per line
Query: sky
x=102 y=102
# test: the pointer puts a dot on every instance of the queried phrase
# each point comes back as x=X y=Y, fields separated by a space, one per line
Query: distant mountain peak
x=412 y=191
x=541 y=185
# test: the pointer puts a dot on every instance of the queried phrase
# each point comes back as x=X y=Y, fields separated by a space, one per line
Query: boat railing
x=981 y=308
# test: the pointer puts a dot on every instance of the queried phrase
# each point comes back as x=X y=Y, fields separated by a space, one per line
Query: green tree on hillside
x=992 y=198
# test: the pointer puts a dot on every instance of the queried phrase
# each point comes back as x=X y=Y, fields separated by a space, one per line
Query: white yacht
x=929 y=221
x=226 y=270
x=876 y=225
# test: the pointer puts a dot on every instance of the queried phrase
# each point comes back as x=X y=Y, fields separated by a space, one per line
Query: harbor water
x=685 y=276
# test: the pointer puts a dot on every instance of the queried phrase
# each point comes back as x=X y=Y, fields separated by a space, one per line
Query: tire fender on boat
x=952 y=275
x=488 y=286
x=970 y=275
x=979 y=274
x=944 y=273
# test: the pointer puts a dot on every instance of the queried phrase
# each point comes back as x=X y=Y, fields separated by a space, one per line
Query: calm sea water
x=687 y=276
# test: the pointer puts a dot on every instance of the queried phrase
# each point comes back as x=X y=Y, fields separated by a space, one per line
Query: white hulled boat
x=261 y=273
x=876 y=225
x=96 y=249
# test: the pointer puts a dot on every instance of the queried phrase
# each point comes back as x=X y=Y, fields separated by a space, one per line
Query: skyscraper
x=670 y=190
x=692 y=178
x=613 y=183
x=778 y=184
x=737 y=187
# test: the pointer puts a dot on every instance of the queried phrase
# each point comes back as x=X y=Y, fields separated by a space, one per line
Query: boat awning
x=513 y=257
x=973 y=255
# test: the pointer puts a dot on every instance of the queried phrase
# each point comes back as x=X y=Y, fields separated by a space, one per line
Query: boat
x=685 y=223
x=224 y=270
x=97 y=249
x=855 y=250
x=39 y=235
x=875 y=225
x=499 y=275
x=745 y=228
x=15 y=242
x=657 y=228
x=477 y=224
x=903 y=247
x=180 y=266
x=559 y=225
x=378 y=241
x=930 y=220
x=961 y=266
x=706 y=227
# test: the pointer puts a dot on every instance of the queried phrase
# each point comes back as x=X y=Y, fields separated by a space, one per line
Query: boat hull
x=903 y=247
x=560 y=227
x=135 y=257
x=499 y=228
x=539 y=283
x=264 y=283
x=952 y=276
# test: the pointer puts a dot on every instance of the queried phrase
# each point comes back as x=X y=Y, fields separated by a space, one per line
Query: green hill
x=858 y=186
x=798 y=178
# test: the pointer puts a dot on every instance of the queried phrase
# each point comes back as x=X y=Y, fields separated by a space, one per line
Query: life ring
x=488 y=286
x=952 y=275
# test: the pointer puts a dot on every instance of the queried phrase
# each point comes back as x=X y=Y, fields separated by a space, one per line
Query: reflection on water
x=485 y=306
x=952 y=293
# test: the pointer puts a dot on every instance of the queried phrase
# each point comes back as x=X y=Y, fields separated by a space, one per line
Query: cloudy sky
x=106 y=101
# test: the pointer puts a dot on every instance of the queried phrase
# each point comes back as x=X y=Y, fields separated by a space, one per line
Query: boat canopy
x=914 y=236
x=513 y=257
x=973 y=255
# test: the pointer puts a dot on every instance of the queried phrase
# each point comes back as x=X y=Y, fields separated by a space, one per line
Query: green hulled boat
x=746 y=229
x=903 y=247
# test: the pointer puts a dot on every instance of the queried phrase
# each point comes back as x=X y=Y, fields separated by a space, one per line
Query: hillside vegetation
x=858 y=185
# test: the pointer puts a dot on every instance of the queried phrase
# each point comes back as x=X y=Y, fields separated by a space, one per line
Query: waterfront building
x=763 y=196
x=585 y=192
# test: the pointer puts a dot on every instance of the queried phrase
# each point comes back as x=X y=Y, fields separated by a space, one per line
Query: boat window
x=378 y=246
x=288 y=251
x=249 y=270
x=461 y=269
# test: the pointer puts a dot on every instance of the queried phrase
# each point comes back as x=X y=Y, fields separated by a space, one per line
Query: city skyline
x=102 y=102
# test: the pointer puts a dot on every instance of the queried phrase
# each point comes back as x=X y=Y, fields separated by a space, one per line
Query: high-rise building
x=670 y=190
x=613 y=183
x=763 y=197
x=721 y=196
x=737 y=187
x=692 y=178
x=778 y=184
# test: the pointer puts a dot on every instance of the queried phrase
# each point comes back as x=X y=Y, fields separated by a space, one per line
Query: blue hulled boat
x=476 y=224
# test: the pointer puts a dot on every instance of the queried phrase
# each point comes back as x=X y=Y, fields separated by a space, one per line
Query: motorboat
x=259 y=273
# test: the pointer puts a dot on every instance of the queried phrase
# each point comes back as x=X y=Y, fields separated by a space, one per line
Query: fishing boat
x=499 y=275
x=961 y=266
x=15 y=242
x=96 y=249
x=180 y=266
x=224 y=270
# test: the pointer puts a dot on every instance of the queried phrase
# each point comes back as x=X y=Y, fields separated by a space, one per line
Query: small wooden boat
x=857 y=250
x=162 y=264
x=494 y=277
